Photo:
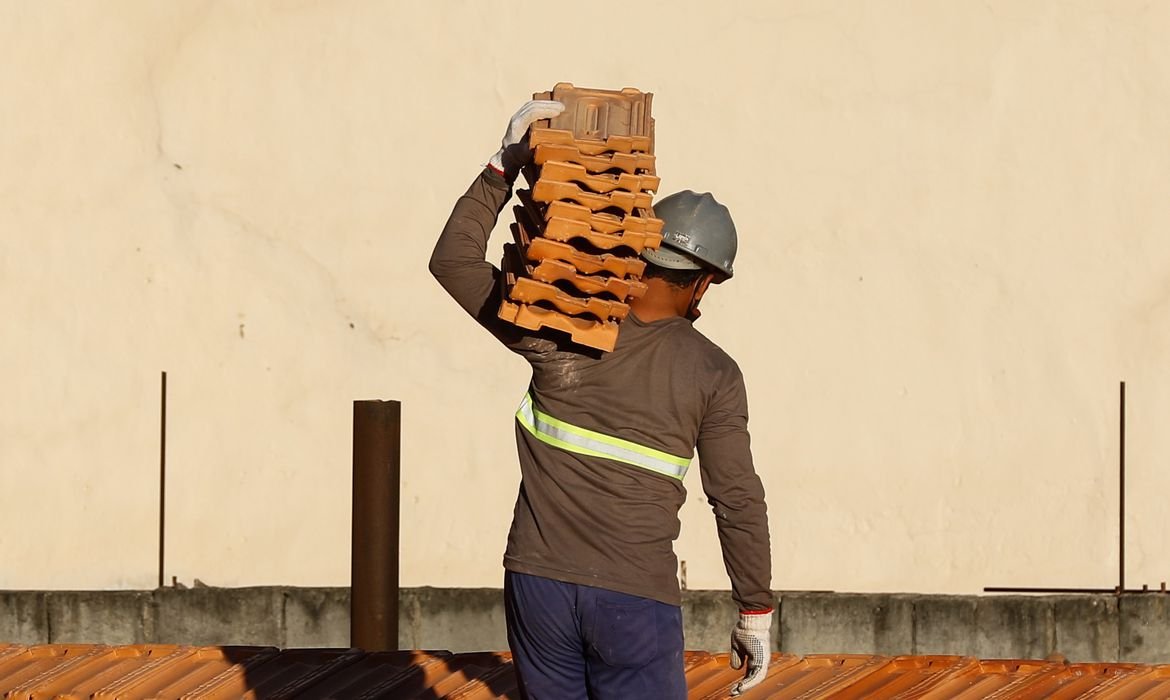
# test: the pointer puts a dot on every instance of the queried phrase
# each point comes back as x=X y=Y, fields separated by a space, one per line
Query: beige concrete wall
x=953 y=221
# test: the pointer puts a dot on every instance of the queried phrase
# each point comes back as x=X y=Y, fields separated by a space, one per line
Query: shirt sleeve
x=458 y=260
x=736 y=495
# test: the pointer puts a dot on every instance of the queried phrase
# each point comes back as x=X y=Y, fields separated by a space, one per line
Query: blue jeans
x=573 y=642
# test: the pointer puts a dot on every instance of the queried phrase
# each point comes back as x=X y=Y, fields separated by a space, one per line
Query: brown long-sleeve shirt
x=592 y=520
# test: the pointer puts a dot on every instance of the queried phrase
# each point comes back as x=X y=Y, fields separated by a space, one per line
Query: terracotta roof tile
x=580 y=237
x=24 y=668
x=902 y=674
x=283 y=676
x=530 y=291
x=587 y=217
x=642 y=220
x=600 y=183
x=1150 y=683
x=552 y=190
x=595 y=334
x=1074 y=681
x=566 y=230
x=571 y=153
x=378 y=674
x=983 y=679
x=596 y=114
x=545 y=249
x=181 y=674
x=552 y=271
x=94 y=670
x=612 y=144
x=169 y=672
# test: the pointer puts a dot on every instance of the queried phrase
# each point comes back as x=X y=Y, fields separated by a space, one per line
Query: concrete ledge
x=1144 y=630
x=24 y=617
x=214 y=616
x=1017 y=627
x=1085 y=628
x=456 y=619
x=707 y=620
x=944 y=624
x=1014 y=627
x=105 y=617
x=846 y=623
x=316 y=617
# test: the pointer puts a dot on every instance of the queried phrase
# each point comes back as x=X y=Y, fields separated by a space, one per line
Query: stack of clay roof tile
x=170 y=672
x=580 y=228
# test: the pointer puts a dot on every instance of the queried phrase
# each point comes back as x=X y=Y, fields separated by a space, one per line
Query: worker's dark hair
x=676 y=278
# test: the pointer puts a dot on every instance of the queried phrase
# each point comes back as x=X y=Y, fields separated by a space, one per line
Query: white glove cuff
x=497 y=161
x=755 y=622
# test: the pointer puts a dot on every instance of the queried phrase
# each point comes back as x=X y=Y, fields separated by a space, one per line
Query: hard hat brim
x=671 y=260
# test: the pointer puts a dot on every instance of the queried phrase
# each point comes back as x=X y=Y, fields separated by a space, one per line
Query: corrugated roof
x=165 y=671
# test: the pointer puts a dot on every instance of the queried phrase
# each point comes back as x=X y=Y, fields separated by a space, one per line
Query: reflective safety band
x=587 y=442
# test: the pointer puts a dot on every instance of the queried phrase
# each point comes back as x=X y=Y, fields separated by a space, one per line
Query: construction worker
x=592 y=596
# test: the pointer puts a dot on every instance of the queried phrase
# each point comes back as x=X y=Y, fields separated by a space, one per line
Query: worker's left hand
x=751 y=640
x=514 y=152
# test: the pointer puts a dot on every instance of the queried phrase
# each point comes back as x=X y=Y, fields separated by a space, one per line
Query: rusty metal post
x=377 y=439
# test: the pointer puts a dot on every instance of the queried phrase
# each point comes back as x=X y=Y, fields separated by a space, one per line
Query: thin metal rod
x=162 y=481
x=1120 y=528
x=377 y=440
x=1121 y=499
x=1033 y=589
x=1028 y=589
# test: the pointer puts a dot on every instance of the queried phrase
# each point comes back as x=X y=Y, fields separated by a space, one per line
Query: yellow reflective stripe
x=572 y=438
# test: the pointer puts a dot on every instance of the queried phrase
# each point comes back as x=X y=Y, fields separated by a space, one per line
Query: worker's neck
x=661 y=301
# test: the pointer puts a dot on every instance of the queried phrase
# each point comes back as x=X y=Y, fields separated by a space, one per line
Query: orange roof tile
x=167 y=671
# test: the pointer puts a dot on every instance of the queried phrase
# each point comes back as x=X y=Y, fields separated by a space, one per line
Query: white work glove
x=514 y=152
x=751 y=640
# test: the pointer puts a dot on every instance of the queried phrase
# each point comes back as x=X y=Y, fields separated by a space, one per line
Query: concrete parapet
x=1028 y=627
x=24 y=617
x=1144 y=628
x=456 y=619
x=707 y=620
x=316 y=617
x=944 y=624
x=99 y=617
x=1084 y=628
x=846 y=623
x=1013 y=627
x=219 y=616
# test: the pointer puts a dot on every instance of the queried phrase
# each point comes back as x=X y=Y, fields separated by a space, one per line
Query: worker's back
x=604 y=442
x=604 y=437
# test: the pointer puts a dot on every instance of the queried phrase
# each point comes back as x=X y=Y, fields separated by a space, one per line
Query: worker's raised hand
x=751 y=640
x=514 y=152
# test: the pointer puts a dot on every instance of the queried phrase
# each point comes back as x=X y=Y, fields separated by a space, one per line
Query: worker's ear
x=702 y=285
x=697 y=293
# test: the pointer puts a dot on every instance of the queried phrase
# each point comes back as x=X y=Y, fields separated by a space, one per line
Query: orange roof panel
x=376 y=674
x=170 y=672
x=93 y=671
x=186 y=674
x=1150 y=683
x=903 y=675
x=23 y=670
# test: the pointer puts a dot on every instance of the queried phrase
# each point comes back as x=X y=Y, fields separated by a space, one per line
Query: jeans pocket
x=625 y=630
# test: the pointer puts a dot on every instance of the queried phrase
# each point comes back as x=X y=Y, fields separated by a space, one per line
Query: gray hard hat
x=698 y=232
